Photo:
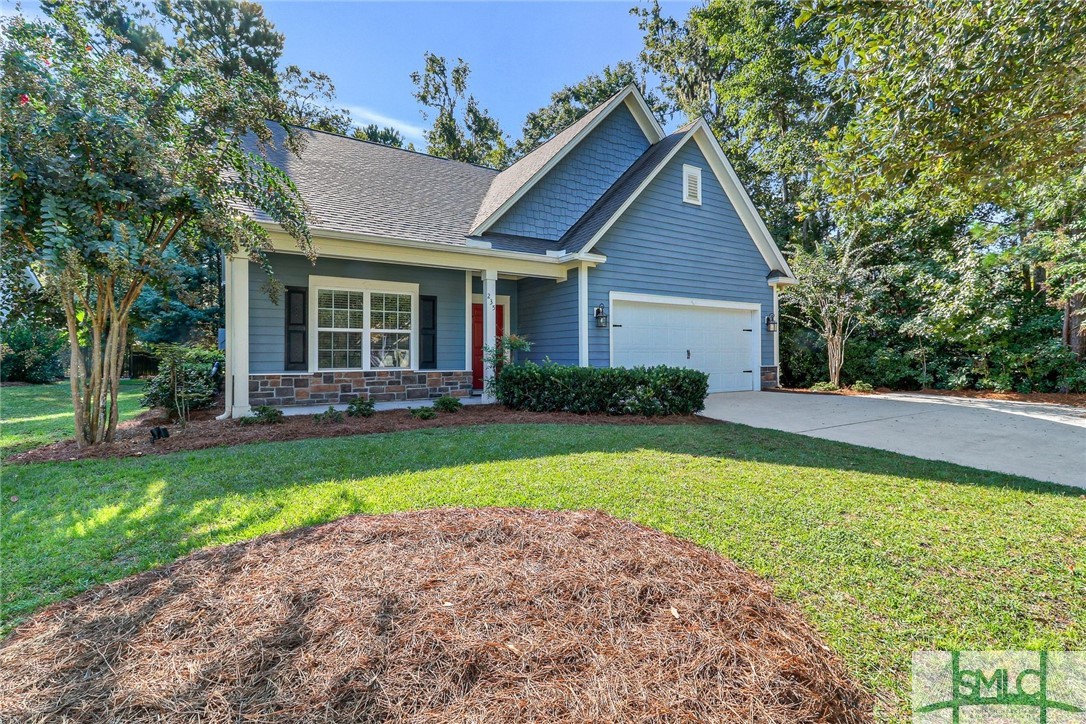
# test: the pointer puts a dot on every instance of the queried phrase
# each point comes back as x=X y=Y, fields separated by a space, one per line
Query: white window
x=362 y=325
x=691 y=184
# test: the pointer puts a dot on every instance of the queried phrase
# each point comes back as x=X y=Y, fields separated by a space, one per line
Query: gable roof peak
x=511 y=184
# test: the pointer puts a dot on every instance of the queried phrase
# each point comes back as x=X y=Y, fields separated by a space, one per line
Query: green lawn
x=36 y=415
x=887 y=554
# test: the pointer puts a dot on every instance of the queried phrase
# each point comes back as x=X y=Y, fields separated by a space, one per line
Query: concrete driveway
x=1039 y=441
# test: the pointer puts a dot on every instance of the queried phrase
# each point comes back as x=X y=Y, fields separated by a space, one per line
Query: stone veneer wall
x=769 y=377
x=332 y=388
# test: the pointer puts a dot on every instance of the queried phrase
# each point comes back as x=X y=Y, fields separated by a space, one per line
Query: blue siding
x=662 y=245
x=547 y=317
x=573 y=185
x=267 y=320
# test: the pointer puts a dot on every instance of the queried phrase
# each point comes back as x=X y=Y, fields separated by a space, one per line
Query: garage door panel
x=715 y=340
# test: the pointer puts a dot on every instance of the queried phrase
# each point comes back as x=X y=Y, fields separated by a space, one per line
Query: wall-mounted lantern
x=601 y=316
x=771 y=323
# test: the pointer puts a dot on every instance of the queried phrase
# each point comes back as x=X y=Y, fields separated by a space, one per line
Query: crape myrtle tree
x=837 y=292
x=116 y=160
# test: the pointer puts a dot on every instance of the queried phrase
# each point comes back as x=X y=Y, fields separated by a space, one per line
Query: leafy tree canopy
x=981 y=99
x=116 y=165
x=742 y=65
x=387 y=135
x=570 y=103
x=462 y=129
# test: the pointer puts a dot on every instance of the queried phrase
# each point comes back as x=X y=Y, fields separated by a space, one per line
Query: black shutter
x=296 y=357
x=427 y=333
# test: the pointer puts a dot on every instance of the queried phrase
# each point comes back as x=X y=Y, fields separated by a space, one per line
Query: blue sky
x=519 y=52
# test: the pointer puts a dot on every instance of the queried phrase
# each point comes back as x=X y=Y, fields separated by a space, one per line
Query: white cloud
x=363 y=116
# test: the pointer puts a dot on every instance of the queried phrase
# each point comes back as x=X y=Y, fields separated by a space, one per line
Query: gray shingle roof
x=586 y=227
x=365 y=188
x=359 y=187
x=509 y=181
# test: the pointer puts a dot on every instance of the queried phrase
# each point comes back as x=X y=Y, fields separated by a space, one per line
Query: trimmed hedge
x=648 y=391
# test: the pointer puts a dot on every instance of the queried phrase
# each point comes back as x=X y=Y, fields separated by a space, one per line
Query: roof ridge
x=385 y=145
x=573 y=123
x=528 y=167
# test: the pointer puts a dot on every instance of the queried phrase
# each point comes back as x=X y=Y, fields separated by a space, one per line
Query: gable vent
x=691 y=184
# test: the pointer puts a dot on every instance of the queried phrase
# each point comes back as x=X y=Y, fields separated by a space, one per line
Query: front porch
x=387 y=330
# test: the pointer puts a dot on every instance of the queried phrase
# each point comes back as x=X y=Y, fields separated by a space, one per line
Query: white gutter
x=468 y=248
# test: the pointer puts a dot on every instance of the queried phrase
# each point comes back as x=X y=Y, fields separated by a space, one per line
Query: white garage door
x=719 y=341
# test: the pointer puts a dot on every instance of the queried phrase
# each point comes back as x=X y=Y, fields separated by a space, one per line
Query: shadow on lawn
x=191 y=490
x=96 y=520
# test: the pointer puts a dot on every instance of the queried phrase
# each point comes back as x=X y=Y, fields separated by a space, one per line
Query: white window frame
x=368 y=287
x=688 y=173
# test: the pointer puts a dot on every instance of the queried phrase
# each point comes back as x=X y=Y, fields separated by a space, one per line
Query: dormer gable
x=543 y=194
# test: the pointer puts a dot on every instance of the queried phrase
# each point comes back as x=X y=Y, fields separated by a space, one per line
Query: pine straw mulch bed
x=133 y=438
x=1074 y=399
x=439 y=615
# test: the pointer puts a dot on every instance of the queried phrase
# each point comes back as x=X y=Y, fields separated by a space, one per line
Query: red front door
x=477 y=341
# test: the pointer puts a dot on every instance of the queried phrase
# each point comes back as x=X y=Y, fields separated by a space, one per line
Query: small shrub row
x=361 y=407
x=330 y=415
x=263 y=415
x=648 y=391
x=423 y=413
x=447 y=404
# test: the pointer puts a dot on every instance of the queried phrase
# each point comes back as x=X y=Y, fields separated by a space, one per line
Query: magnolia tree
x=113 y=163
x=836 y=293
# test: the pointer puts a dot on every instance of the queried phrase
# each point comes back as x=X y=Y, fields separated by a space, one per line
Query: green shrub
x=263 y=415
x=30 y=351
x=612 y=390
x=824 y=387
x=447 y=403
x=423 y=413
x=188 y=379
x=329 y=416
x=861 y=386
x=361 y=407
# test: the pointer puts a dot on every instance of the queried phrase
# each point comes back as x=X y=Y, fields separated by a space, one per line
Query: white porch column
x=582 y=315
x=468 y=320
x=490 y=324
x=237 y=336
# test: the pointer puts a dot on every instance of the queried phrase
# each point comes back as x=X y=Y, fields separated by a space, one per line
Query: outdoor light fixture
x=601 y=316
x=771 y=323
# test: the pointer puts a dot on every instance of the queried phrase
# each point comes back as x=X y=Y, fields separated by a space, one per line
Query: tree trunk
x=835 y=357
x=1072 y=325
x=95 y=388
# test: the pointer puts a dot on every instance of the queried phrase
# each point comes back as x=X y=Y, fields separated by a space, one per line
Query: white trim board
x=682 y=301
x=733 y=189
x=646 y=121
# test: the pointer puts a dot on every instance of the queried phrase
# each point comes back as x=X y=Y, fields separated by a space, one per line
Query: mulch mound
x=133 y=437
x=441 y=615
